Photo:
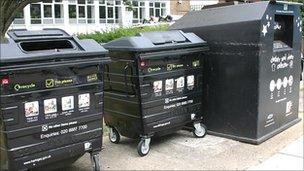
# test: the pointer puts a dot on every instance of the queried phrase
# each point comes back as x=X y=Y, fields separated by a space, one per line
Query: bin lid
x=225 y=15
x=151 y=41
x=47 y=44
x=222 y=15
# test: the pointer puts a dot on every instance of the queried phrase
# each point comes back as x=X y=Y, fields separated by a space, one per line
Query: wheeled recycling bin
x=252 y=68
x=51 y=100
x=154 y=86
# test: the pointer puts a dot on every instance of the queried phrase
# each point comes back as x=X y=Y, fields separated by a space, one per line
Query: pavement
x=290 y=158
x=181 y=151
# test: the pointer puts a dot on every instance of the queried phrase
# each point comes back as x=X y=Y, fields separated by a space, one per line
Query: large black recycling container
x=154 y=86
x=252 y=69
x=51 y=99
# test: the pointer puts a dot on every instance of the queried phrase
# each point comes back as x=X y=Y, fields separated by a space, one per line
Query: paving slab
x=181 y=151
x=294 y=149
x=290 y=158
x=281 y=162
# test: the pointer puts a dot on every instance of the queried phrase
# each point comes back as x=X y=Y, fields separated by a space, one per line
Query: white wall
x=199 y=4
x=203 y=2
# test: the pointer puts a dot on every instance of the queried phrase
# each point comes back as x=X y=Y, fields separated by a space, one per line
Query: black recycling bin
x=51 y=100
x=154 y=86
x=252 y=68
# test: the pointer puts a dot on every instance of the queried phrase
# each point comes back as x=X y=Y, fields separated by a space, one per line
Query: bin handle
x=108 y=75
x=125 y=78
x=118 y=93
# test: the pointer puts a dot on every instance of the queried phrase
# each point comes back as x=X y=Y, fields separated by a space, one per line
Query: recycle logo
x=17 y=87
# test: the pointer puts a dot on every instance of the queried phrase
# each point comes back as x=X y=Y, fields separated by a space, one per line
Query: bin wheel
x=95 y=162
x=114 y=135
x=200 y=130
x=143 y=147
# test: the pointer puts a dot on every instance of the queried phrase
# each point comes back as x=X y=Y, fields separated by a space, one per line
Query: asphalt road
x=181 y=151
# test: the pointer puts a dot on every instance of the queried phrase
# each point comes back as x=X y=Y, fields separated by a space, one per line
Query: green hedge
x=104 y=37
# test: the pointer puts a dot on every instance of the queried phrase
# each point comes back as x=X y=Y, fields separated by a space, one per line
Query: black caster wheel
x=200 y=130
x=95 y=162
x=114 y=135
x=143 y=147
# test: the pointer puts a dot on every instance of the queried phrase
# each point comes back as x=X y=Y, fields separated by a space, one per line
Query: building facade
x=179 y=8
x=199 y=4
x=87 y=16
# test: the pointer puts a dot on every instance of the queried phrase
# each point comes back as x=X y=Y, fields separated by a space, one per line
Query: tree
x=128 y=5
x=8 y=11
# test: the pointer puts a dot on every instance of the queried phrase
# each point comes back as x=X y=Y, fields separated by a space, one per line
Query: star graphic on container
x=264 y=31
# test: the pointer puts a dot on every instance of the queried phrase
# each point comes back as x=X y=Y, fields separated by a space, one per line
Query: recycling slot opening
x=46 y=45
x=283 y=31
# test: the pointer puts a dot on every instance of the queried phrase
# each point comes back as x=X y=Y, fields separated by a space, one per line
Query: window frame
x=141 y=6
x=61 y=19
x=19 y=20
x=115 y=5
x=83 y=20
x=162 y=7
x=41 y=14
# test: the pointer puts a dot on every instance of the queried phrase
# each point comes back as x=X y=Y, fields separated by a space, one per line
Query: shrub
x=104 y=37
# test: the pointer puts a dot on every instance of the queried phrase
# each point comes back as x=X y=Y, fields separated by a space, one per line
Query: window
x=110 y=18
x=117 y=2
x=91 y=14
x=20 y=14
x=58 y=12
x=151 y=12
x=82 y=11
x=47 y=11
x=110 y=2
x=117 y=9
x=72 y=11
x=102 y=12
x=157 y=9
x=135 y=3
x=196 y=7
x=109 y=11
x=81 y=1
x=138 y=11
x=19 y=18
x=135 y=13
x=35 y=13
x=72 y=14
